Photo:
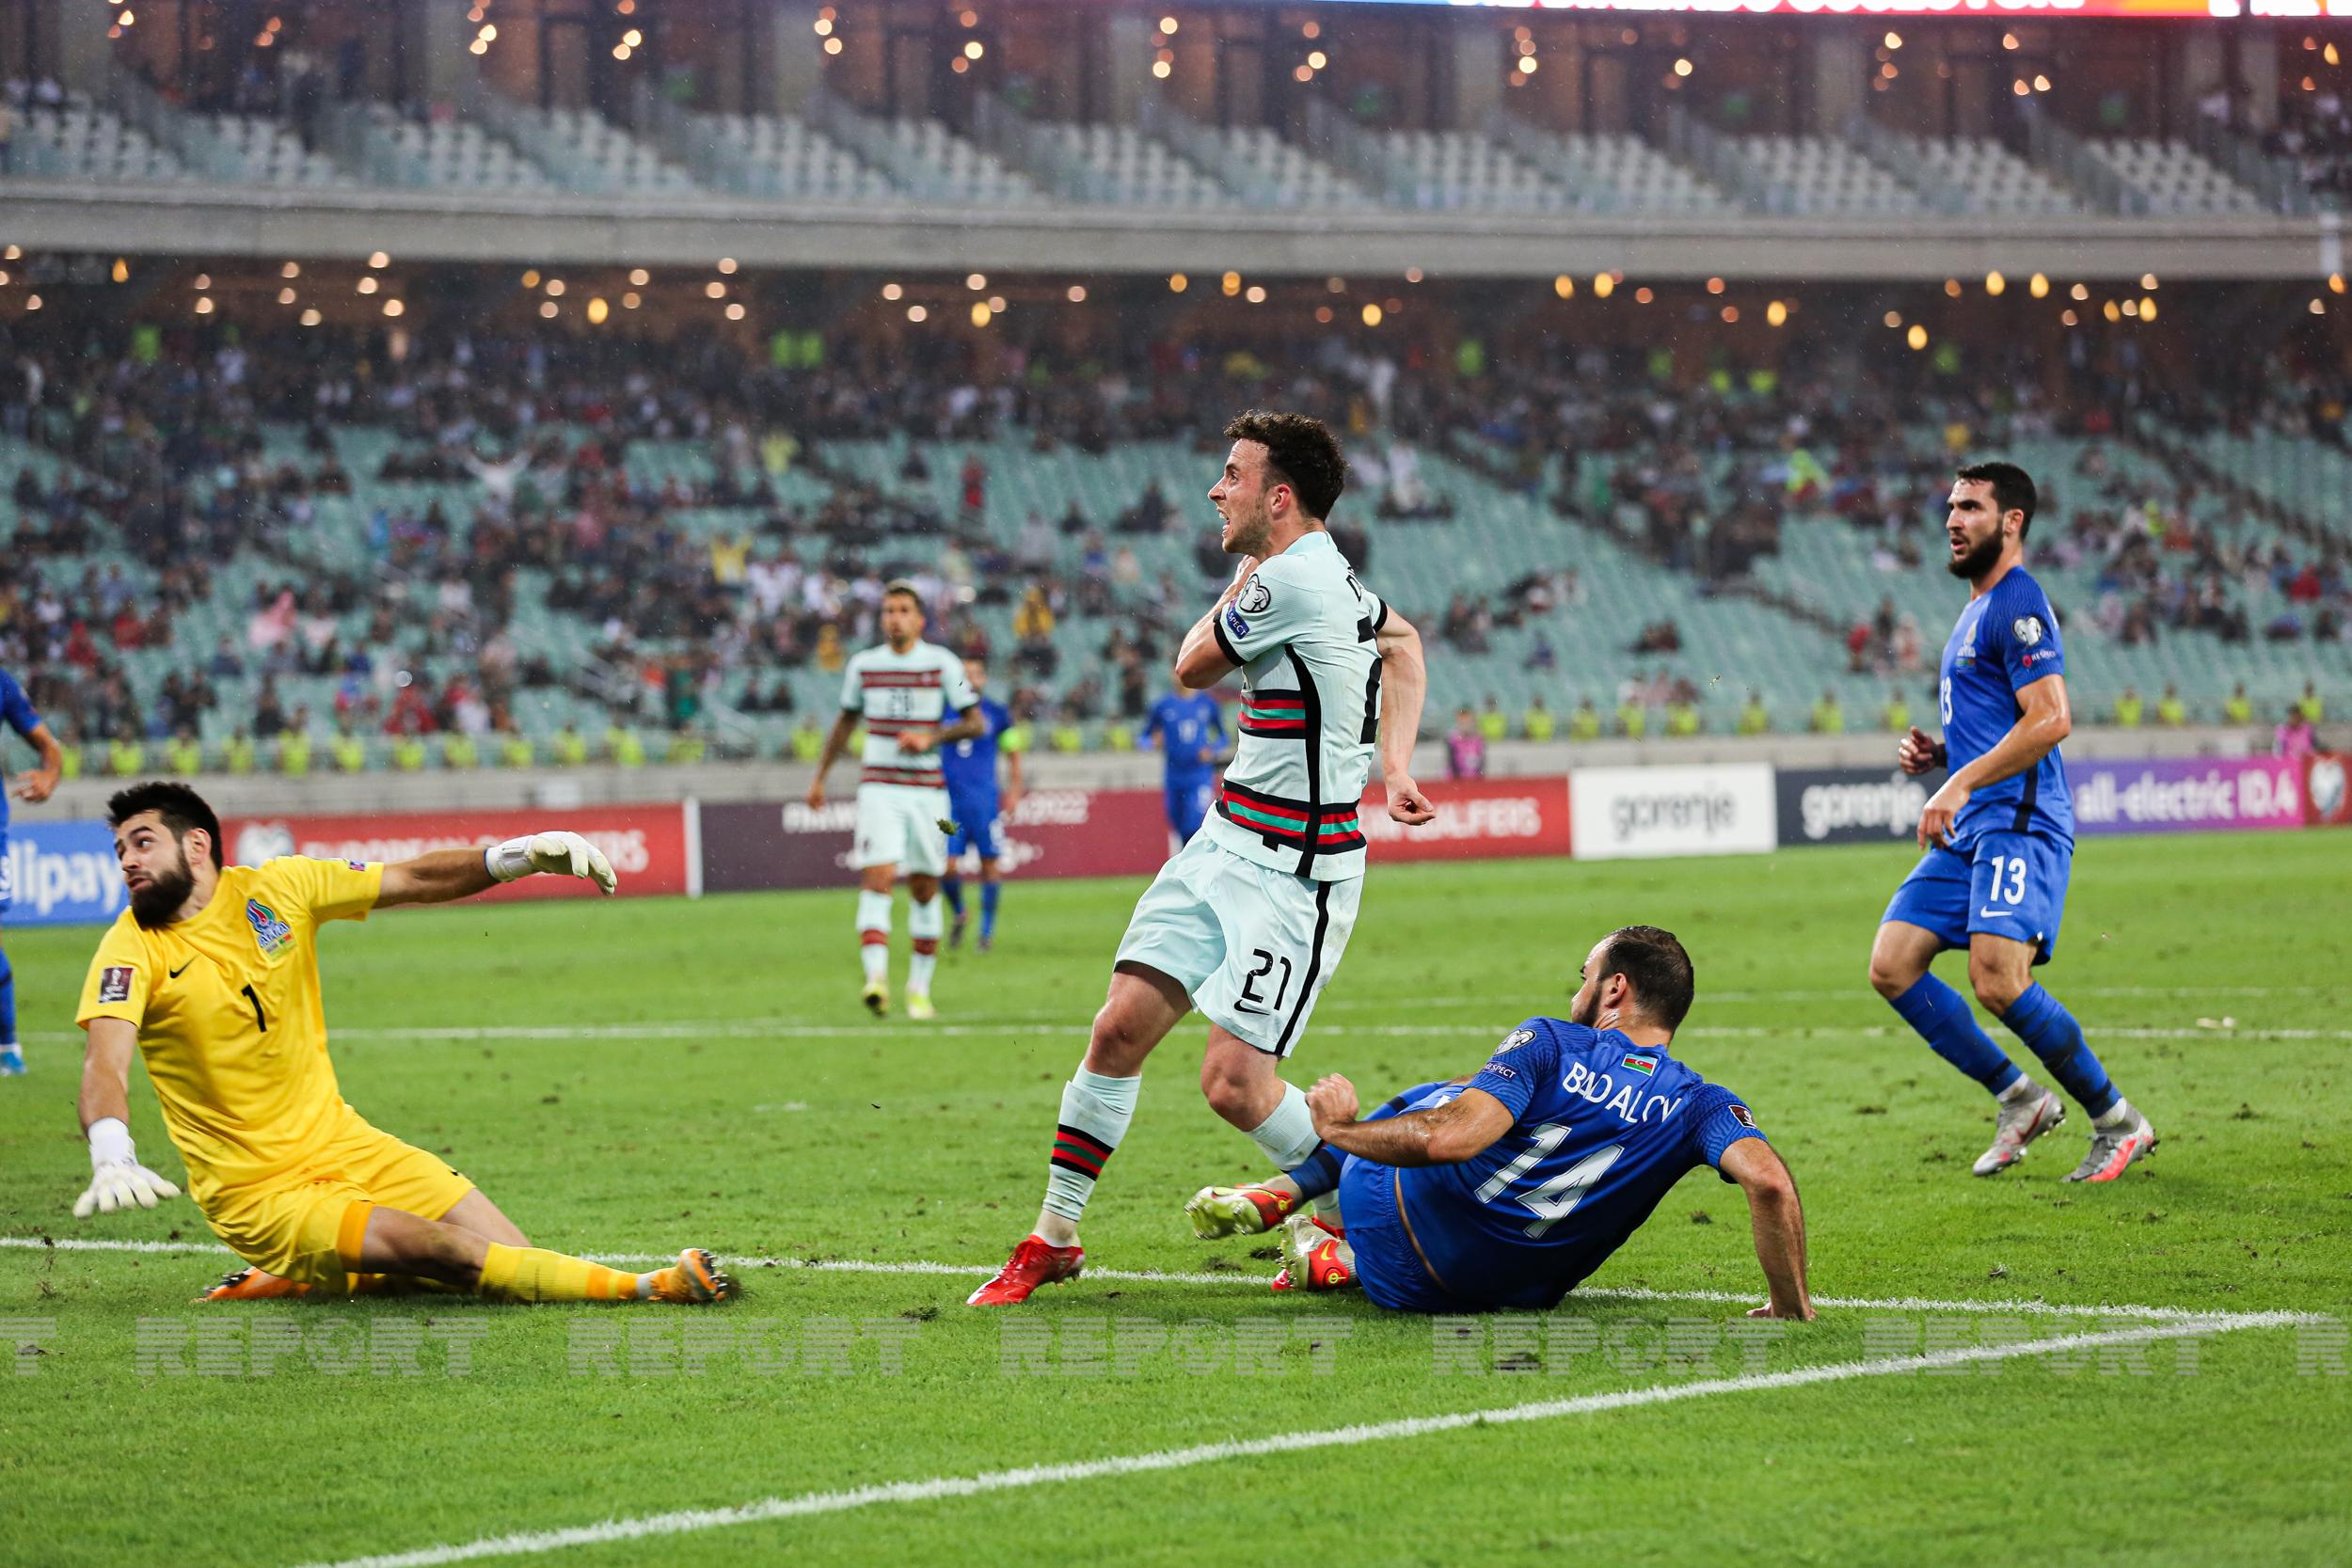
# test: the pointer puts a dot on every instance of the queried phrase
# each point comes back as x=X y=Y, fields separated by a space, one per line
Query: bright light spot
x=629 y=301
x=367 y=285
x=1256 y=294
x=311 y=317
x=2020 y=87
x=489 y=33
x=393 y=308
x=555 y=288
x=121 y=270
x=1177 y=282
x=2113 y=312
x=289 y=270
x=548 y=308
x=1682 y=68
x=1917 y=336
x=2040 y=83
x=727 y=264
x=285 y=296
x=1317 y=60
x=824 y=26
x=892 y=291
x=2319 y=306
x=2037 y=286
x=1893 y=319
x=204 y=306
x=2008 y=41
x=996 y=303
x=2335 y=282
x=1995 y=283
x=1372 y=315
x=2148 y=282
x=1952 y=288
x=1322 y=314
x=2131 y=307
x=1312 y=30
x=1894 y=40
x=1714 y=285
x=1564 y=286
x=1161 y=70
x=734 y=311
x=32 y=302
x=1303 y=73
x=714 y=289
x=1604 y=284
x=1731 y=314
x=639 y=276
x=2147 y=309
x=1776 y=314
x=1642 y=296
x=1077 y=294
x=2068 y=318
x=1412 y=275
x=1168 y=25
x=2078 y=291
x=917 y=313
x=976 y=281
x=477 y=47
x=833 y=46
x=1230 y=283
x=204 y=281
x=597 y=312
x=973 y=49
x=620 y=51
x=530 y=278
x=980 y=312
x=632 y=38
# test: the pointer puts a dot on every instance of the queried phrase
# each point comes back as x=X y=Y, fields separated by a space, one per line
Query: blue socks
x=1319 y=1176
x=988 y=910
x=2051 y=1033
x=1941 y=1016
x=8 y=1004
x=953 y=888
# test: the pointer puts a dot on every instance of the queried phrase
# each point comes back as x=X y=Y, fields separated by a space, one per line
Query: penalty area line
x=938 y=1488
x=1242 y=1277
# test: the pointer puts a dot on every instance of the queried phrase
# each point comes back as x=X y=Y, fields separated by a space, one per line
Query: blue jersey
x=1189 y=732
x=16 y=711
x=969 y=766
x=2005 y=641
x=1603 y=1129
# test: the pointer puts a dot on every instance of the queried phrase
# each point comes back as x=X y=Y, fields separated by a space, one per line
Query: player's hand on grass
x=1935 y=821
x=1331 y=1102
x=1918 y=752
x=1407 y=803
x=116 y=1180
x=558 y=854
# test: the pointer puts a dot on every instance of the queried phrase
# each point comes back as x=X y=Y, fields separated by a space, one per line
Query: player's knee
x=1997 y=984
x=1232 y=1094
x=1117 y=1046
x=922 y=889
x=1892 y=974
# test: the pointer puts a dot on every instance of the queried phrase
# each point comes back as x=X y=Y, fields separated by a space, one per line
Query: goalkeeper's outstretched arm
x=445 y=876
x=118 y=1180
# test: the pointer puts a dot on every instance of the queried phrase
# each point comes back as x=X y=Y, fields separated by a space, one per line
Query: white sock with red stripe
x=925 y=921
x=873 y=933
x=1095 y=1111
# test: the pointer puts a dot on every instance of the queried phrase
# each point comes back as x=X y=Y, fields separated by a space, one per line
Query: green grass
x=794 y=1128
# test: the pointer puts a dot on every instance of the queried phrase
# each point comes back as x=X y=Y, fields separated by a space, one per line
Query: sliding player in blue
x=1507 y=1189
x=972 y=801
x=1999 y=842
x=1190 y=733
x=16 y=713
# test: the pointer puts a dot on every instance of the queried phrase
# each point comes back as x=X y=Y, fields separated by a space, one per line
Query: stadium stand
x=1822 y=174
x=1134 y=168
x=2172 y=177
x=805 y=160
x=72 y=140
x=1994 y=179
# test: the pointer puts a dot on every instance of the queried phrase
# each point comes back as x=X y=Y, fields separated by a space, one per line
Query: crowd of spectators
x=177 y=466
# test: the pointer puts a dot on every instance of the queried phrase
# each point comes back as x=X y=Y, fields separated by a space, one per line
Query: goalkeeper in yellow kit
x=213 y=973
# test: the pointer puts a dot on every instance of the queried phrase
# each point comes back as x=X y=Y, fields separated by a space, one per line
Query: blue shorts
x=976 y=827
x=1188 y=802
x=2004 y=884
x=1387 y=1264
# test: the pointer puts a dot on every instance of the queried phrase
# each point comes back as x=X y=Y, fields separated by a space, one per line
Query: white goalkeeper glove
x=563 y=854
x=116 y=1180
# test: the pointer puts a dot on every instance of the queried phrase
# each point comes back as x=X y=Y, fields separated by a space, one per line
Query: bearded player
x=902 y=691
x=1999 y=842
x=213 y=975
x=1248 y=921
x=1507 y=1190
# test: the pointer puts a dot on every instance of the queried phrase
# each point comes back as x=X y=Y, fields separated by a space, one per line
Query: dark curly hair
x=1300 y=453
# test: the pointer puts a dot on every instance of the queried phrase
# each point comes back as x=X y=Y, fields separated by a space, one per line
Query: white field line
x=1248 y=1280
x=689 y=1521
x=784 y=1029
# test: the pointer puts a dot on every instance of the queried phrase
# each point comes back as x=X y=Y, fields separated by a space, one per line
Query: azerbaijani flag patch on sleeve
x=1643 y=1065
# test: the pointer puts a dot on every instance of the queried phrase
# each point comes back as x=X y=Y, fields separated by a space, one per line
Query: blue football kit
x=2012 y=846
x=1190 y=733
x=969 y=767
x=1602 y=1130
x=17 y=713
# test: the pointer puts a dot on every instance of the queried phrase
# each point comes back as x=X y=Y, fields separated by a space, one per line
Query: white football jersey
x=918 y=689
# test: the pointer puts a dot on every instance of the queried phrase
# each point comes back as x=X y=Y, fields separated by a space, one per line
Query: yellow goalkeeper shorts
x=306 y=1224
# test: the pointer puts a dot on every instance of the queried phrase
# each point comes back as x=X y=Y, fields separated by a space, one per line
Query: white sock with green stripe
x=1095 y=1111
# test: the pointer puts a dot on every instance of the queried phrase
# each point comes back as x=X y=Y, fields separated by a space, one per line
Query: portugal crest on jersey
x=270 y=934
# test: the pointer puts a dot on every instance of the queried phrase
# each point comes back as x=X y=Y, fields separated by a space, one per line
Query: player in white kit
x=902 y=691
x=1248 y=921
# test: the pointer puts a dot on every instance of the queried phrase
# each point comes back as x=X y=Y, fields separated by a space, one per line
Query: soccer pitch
x=631 y=1078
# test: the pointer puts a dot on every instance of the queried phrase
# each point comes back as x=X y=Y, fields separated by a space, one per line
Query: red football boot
x=1033 y=1263
x=1315 y=1259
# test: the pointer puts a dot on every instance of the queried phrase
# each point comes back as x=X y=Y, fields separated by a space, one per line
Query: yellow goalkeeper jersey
x=230 y=1016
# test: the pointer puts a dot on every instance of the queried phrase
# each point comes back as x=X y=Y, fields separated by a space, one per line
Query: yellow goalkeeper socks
x=534 y=1274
